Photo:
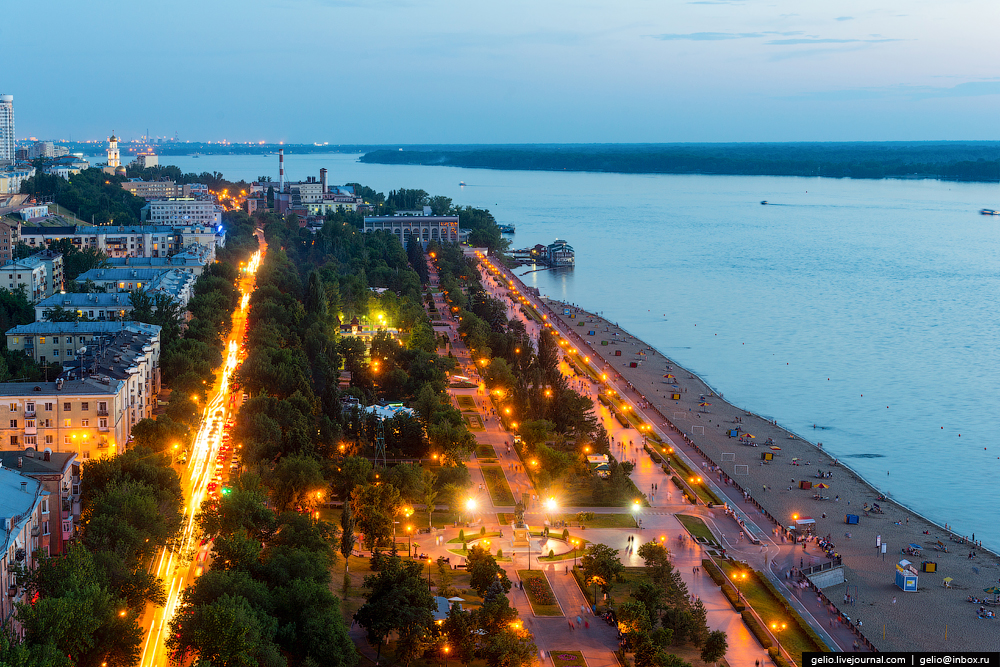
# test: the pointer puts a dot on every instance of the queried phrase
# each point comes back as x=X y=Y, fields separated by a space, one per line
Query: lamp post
x=576 y=543
x=428 y=574
x=635 y=513
x=409 y=541
x=550 y=507
x=446 y=649
x=470 y=505
x=738 y=577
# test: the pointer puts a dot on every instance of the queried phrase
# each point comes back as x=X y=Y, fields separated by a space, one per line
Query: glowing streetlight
x=635 y=512
x=739 y=577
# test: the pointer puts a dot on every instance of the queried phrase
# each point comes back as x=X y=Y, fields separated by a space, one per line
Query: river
x=862 y=314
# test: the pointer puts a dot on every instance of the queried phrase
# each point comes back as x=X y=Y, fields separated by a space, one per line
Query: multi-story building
x=183 y=211
x=97 y=306
x=26 y=511
x=147 y=160
x=127 y=241
x=60 y=342
x=29 y=273
x=66 y=166
x=7 y=153
x=46 y=149
x=424 y=228
x=152 y=190
x=89 y=416
x=177 y=283
x=59 y=474
x=11 y=178
x=193 y=257
x=10 y=234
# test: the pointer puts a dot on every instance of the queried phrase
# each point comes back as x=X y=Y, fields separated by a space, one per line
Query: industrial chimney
x=322 y=179
x=281 y=170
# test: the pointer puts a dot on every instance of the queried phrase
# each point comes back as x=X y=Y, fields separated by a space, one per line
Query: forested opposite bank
x=967 y=161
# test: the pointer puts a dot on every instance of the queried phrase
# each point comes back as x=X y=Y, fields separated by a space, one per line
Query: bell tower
x=114 y=160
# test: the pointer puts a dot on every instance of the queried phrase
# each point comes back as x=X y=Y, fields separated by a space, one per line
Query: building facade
x=152 y=190
x=183 y=211
x=29 y=273
x=59 y=475
x=10 y=234
x=61 y=341
x=424 y=228
x=11 y=179
x=26 y=511
x=97 y=306
x=127 y=241
x=7 y=129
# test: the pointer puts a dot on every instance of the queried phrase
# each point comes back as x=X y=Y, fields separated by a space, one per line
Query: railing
x=829 y=565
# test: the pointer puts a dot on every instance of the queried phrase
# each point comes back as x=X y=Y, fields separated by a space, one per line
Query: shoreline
x=869 y=578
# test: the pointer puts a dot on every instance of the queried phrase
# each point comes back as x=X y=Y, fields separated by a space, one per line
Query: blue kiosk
x=906 y=576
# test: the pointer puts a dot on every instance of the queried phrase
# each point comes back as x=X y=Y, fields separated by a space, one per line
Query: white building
x=46 y=149
x=11 y=178
x=182 y=211
x=60 y=342
x=128 y=241
x=425 y=228
x=7 y=131
x=153 y=190
x=97 y=306
x=30 y=273
x=114 y=158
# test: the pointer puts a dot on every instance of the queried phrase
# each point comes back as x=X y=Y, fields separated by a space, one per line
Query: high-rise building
x=6 y=127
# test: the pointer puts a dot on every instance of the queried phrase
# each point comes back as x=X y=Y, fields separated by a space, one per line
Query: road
x=178 y=569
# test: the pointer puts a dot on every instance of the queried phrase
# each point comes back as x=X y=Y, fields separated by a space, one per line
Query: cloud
x=818 y=40
x=844 y=18
x=968 y=89
x=707 y=36
x=718 y=36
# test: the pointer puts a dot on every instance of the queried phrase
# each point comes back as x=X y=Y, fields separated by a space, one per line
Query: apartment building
x=59 y=474
x=97 y=306
x=152 y=190
x=25 y=509
x=60 y=342
x=424 y=228
x=193 y=258
x=128 y=241
x=178 y=284
x=10 y=234
x=183 y=211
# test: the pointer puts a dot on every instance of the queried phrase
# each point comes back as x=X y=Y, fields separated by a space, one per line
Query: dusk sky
x=444 y=71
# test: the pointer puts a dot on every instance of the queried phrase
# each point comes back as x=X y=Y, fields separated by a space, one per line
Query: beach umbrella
x=992 y=590
x=947 y=582
x=775 y=448
x=704 y=405
x=748 y=435
x=456 y=599
x=668 y=376
x=915 y=546
x=821 y=486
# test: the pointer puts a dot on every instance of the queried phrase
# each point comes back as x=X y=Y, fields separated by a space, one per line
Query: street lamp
x=738 y=577
x=550 y=507
x=470 y=505
x=428 y=574
x=409 y=541
x=635 y=513
x=446 y=649
x=576 y=543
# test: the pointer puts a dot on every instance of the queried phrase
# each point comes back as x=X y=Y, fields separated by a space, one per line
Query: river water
x=866 y=309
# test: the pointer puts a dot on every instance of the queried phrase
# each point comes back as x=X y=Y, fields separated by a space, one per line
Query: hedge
x=757 y=629
x=732 y=595
x=778 y=659
x=795 y=616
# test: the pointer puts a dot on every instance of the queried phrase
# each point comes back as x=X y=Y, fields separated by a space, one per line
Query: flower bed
x=539 y=593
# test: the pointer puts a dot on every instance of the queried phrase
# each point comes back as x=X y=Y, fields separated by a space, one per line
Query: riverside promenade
x=934 y=618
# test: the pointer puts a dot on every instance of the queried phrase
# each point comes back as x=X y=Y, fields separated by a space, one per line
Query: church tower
x=114 y=160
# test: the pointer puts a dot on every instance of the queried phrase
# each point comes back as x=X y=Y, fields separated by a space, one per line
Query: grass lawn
x=536 y=586
x=469 y=537
x=465 y=554
x=485 y=452
x=474 y=422
x=696 y=527
x=601 y=520
x=580 y=550
x=567 y=659
x=794 y=639
x=467 y=403
x=496 y=482
x=462 y=384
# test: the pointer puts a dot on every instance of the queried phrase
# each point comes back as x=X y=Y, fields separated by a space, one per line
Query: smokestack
x=281 y=170
x=322 y=179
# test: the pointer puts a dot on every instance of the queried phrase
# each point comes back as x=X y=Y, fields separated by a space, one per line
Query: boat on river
x=989 y=211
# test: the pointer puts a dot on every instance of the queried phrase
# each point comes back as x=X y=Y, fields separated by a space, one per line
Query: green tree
x=484 y=570
x=227 y=632
x=397 y=599
x=602 y=561
x=347 y=537
x=375 y=507
x=460 y=629
x=511 y=648
x=161 y=435
x=293 y=479
x=715 y=647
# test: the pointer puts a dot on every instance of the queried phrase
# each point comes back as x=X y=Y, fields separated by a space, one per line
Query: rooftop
x=16 y=503
x=117 y=274
x=83 y=300
x=34 y=463
x=48 y=328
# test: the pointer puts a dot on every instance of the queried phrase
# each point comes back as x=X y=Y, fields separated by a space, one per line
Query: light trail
x=175 y=572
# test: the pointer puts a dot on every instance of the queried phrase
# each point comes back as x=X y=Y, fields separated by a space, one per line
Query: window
x=13 y=407
x=29 y=423
x=65 y=439
x=29 y=407
x=16 y=339
x=42 y=339
x=84 y=422
x=48 y=440
x=30 y=439
x=67 y=407
x=48 y=406
x=85 y=406
x=13 y=423
x=48 y=423
x=102 y=406
x=45 y=505
x=45 y=528
x=67 y=423
x=55 y=340
x=13 y=441
x=55 y=353
x=102 y=422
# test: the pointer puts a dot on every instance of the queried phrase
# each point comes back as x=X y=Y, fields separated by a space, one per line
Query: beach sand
x=910 y=621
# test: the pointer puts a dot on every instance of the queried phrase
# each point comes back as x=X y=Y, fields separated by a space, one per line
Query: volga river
x=866 y=309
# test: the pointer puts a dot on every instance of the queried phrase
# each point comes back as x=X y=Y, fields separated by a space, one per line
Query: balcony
x=29 y=412
x=35 y=531
x=102 y=413
x=30 y=430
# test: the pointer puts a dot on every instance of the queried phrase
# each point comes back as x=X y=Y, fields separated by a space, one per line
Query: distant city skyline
x=440 y=71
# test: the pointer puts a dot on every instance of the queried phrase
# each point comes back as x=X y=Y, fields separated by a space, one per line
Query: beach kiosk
x=906 y=576
x=804 y=525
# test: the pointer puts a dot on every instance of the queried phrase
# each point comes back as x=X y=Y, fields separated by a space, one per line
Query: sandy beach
x=932 y=618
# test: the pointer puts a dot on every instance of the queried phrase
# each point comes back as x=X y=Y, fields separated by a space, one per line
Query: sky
x=516 y=71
